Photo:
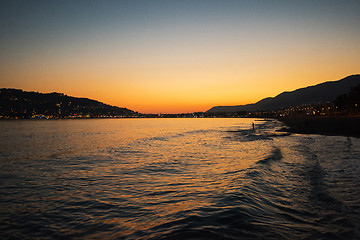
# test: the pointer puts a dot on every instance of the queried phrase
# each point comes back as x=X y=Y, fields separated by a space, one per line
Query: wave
x=275 y=155
x=188 y=184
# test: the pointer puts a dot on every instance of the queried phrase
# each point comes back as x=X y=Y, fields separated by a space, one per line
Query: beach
x=333 y=126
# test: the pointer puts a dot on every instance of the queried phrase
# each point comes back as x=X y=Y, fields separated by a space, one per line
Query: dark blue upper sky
x=214 y=46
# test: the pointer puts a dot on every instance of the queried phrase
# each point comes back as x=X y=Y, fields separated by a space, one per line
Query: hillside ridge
x=16 y=103
x=320 y=93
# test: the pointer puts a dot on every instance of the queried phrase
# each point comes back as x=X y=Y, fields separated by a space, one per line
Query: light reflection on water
x=172 y=178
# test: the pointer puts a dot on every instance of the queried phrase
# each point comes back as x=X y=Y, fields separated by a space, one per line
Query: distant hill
x=321 y=93
x=16 y=103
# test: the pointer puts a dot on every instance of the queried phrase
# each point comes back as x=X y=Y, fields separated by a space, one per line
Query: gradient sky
x=176 y=56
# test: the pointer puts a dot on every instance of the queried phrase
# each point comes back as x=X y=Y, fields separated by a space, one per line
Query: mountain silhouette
x=320 y=93
x=16 y=103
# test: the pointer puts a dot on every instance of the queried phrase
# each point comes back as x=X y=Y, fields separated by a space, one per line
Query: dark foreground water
x=175 y=179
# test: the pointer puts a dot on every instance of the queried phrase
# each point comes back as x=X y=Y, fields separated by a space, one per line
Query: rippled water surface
x=175 y=179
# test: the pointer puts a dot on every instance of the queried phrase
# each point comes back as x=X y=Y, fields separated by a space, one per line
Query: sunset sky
x=176 y=56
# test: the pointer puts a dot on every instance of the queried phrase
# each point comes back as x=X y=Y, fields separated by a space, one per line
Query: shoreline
x=332 y=126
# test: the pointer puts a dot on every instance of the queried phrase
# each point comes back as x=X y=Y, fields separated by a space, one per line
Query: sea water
x=175 y=179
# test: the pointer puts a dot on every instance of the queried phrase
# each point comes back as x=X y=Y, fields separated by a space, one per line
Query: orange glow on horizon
x=180 y=98
x=180 y=58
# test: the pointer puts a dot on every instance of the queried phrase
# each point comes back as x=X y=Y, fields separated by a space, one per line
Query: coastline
x=333 y=126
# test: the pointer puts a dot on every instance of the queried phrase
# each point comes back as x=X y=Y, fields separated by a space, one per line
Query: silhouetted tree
x=350 y=102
